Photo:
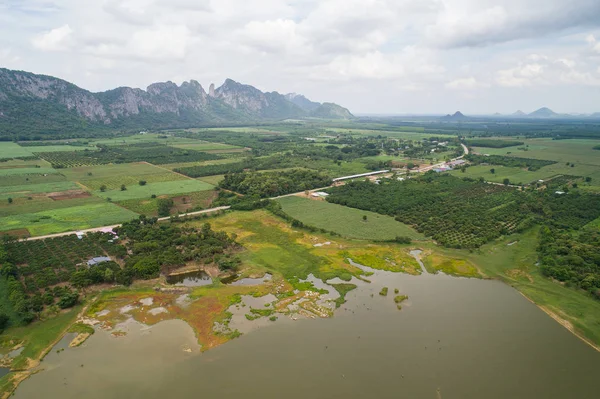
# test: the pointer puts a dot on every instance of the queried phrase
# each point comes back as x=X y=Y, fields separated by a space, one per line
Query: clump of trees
x=271 y=184
x=530 y=164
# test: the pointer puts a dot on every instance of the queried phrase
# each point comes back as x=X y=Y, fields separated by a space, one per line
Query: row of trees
x=271 y=184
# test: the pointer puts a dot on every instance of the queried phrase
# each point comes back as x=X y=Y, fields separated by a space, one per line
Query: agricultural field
x=348 y=222
x=32 y=189
x=67 y=219
x=214 y=180
x=184 y=203
x=9 y=150
x=27 y=171
x=136 y=191
x=23 y=205
x=20 y=163
x=205 y=146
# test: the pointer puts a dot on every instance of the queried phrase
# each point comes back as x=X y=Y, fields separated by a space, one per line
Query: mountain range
x=43 y=105
x=542 y=113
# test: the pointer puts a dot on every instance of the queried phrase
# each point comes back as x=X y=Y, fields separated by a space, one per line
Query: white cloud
x=469 y=83
x=274 y=36
x=57 y=39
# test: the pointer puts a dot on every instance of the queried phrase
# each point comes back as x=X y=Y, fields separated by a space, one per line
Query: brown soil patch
x=66 y=195
x=16 y=233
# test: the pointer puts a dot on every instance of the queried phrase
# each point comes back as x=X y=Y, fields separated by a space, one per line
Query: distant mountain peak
x=543 y=112
x=457 y=116
x=519 y=113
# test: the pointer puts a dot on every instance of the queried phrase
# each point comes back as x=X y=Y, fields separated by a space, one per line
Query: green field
x=39 y=203
x=26 y=171
x=115 y=182
x=31 y=189
x=29 y=179
x=73 y=218
x=169 y=187
x=19 y=163
x=58 y=148
x=10 y=150
x=182 y=203
x=85 y=173
x=345 y=221
x=563 y=151
x=205 y=146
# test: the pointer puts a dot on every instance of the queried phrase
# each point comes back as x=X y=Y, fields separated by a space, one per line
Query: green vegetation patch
x=9 y=150
x=384 y=291
x=115 y=182
x=342 y=289
x=169 y=187
x=73 y=218
x=27 y=171
x=30 y=189
x=436 y=262
x=493 y=143
x=346 y=221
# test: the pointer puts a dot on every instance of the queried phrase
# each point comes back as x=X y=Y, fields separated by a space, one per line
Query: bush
x=142 y=182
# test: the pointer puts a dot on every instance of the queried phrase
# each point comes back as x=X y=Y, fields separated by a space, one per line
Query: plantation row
x=144 y=152
x=461 y=213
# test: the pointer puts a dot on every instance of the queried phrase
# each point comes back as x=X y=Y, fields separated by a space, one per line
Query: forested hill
x=39 y=106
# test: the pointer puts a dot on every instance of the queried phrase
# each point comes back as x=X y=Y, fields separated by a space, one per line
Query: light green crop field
x=10 y=150
x=85 y=173
x=143 y=138
x=205 y=146
x=204 y=163
x=22 y=205
x=21 y=180
x=55 y=148
x=67 y=219
x=26 y=171
x=577 y=151
x=214 y=180
x=19 y=163
x=30 y=189
x=115 y=182
x=169 y=187
x=346 y=221
x=413 y=134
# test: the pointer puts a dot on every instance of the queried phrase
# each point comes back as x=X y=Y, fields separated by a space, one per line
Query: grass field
x=67 y=219
x=23 y=180
x=346 y=221
x=39 y=203
x=204 y=163
x=58 y=148
x=26 y=171
x=85 y=173
x=30 y=189
x=10 y=150
x=214 y=180
x=19 y=163
x=563 y=151
x=162 y=188
x=115 y=182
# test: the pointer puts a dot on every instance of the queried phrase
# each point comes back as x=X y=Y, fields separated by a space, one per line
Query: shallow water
x=190 y=279
x=4 y=371
x=454 y=338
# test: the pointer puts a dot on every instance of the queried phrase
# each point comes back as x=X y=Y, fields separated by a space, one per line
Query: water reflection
x=190 y=279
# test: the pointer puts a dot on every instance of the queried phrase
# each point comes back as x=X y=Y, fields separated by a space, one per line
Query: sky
x=372 y=56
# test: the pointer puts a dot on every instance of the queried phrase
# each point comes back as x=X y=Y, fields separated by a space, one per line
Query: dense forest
x=489 y=143
x=272 y=184
x=45 y=275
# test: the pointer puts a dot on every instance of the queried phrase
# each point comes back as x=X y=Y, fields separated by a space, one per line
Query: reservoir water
x=454 y=338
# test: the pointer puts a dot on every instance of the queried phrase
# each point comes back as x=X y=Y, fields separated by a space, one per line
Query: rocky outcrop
x=47 y=104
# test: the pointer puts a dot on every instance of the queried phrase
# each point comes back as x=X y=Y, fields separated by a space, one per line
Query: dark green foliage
x=4 y=319
x=530 y=164
x=164 y=206
x=142 y=152
x=454 y=212
x=596 y=147
x=273 y=184
x=493 y=143
x=572 y=257
x=142 y=182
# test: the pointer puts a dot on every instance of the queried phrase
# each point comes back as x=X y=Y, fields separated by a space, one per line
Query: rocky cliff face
x=47 y=103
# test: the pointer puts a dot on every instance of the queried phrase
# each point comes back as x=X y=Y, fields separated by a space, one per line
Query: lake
x=454 y=338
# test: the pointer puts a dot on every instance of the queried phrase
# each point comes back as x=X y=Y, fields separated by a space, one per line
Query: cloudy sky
x=373 y=56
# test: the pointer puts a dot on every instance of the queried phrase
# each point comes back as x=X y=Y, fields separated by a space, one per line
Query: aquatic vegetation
x=384 y=291
x=435 y=263
x=342 y=289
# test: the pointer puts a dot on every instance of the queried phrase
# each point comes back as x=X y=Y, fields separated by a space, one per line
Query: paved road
x=219 y=208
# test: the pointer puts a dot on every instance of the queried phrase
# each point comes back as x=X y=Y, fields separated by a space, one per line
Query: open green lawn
x=169 y=187
x=31 y=189
x=67 y=219
x=346 y=221
x=13 y=150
